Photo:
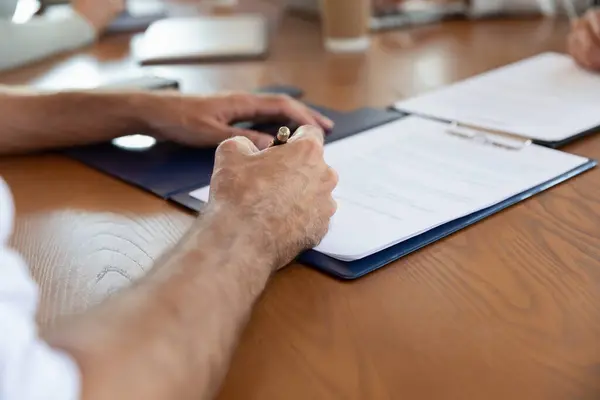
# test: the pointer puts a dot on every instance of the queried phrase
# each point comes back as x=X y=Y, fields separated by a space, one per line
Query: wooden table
x=506 y=309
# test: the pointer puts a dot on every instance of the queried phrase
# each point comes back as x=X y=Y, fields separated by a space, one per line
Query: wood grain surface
x=506 y=309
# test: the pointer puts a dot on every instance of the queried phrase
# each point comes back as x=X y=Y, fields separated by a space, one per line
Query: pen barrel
x=277 y=142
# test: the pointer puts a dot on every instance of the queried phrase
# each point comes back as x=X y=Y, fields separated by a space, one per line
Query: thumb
x=260 y=140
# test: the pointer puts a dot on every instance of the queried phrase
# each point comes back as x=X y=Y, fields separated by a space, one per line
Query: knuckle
x=245 y=140
x=282 y=98
x=310 y=148
x=228 y=146
x=239 y=98
x=223 y=182
x=224 y=174
x=333 y=206
x=332 y=176
x=283 y=101
x=311 y=130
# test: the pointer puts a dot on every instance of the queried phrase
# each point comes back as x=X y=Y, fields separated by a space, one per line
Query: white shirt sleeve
x=41 y=37
x=29 y=368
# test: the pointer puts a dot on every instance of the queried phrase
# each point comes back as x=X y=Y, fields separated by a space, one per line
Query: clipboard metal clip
x=489 y=137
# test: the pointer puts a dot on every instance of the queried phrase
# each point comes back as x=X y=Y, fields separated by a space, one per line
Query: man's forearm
x=37 y=121
x=171 y=335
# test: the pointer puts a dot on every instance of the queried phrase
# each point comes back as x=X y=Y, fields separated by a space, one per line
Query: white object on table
x=547 y=97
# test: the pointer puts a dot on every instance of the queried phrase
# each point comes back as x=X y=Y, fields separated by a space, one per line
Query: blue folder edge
x=570 y=139
x=350 y=270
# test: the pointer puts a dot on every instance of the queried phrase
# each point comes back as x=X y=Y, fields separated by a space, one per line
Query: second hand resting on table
x=39 y=121
x=584 y=40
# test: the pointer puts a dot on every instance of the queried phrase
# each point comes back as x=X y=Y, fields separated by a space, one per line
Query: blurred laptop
x=205 y=38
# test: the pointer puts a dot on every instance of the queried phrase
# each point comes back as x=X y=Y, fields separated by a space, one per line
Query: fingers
x=587 y=30
x=581 y=45
x=323 y=121
x=285 y=107
x=308 y=133
x=260 y=140
x=584 y=41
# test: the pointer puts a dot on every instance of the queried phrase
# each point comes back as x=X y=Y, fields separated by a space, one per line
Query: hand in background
x=206 y=121
x=282 y=193
x=584 y=40
x=99 y=13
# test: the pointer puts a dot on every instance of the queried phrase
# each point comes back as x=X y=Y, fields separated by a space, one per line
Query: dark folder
x=168 y=169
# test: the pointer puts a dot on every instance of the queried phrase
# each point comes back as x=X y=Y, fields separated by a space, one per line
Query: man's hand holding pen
x=248 y=184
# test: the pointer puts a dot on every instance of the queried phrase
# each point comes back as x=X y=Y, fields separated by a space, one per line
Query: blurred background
x=385 y=13
x=401 y=62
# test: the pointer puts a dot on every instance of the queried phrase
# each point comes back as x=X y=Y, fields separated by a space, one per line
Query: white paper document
x=411 y=175
x=546 y=97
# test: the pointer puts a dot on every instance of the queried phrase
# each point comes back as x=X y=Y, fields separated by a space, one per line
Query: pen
x=283 y=134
